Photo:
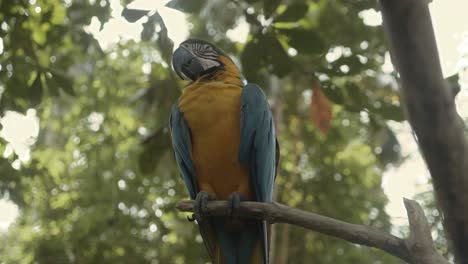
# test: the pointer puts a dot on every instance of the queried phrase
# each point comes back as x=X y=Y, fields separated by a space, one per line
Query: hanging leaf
x=305 y=40
x=51 y=84
x=54 y=81
x=148 y=30
x=133 y=15
x=356 y=99
x=36 y=90
x=277 y=56
x=250 y=67
x=192 y=6
x=155 y=146
x=389 y=112
x=270 y=53
x=65 y=83
x=384 y=140
x=333 y=92
x=293 y=13
x=166 y=45
x=103 y=12
x=320 y=109
x=269 y=7
x=352 y=62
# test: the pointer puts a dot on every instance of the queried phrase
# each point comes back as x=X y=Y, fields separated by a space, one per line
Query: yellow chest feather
x=212 y=112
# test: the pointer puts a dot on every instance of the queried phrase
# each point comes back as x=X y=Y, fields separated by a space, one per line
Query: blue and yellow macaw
x=225 y=146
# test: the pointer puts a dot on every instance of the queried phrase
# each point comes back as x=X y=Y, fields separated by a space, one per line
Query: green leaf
x=293 y=13
x=251 y=67
x=269 y=53
x=3 y=143
x=389 y=112
x=252 y=19
x=334 y=93
x=269 y=7
x=103 y=12
x=357 y=99
x=126 y=2
x=65 y=83
x=36 y=90
x=148 y=30
x=353 y=62
x=305 y=40
x=166 y=45
x=155 y=146
x=55 y=35
x=47 y=15
x=383 y=137
x=192 y=6
x=133 y=15
x=277 y=56
x=52 y=86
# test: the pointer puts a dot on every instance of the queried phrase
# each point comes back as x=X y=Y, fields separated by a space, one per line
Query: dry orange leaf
x=320 y=109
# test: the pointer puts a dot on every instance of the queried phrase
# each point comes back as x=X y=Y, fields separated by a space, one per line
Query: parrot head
x=195 y=58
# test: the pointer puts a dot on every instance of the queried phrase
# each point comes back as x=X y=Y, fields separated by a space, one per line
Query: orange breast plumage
x=212 y=112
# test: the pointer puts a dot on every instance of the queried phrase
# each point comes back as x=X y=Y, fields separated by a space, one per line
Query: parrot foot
x=200 y=207
x=234 y=200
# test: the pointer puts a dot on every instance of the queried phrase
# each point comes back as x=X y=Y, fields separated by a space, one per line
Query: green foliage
x=41 y=44
x=293 y=12
x=133 y=15
x=186 y=6
x=102 y=183
x=304 y=40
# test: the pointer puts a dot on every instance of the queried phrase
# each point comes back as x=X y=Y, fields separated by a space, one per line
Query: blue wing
x=258 y=141
x=182 y=144
x=258 y=148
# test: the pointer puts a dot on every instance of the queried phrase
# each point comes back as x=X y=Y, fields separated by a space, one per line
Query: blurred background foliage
x=101 y=182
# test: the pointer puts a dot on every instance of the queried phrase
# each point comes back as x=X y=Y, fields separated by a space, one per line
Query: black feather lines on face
x=204 y=49
x=215 y=50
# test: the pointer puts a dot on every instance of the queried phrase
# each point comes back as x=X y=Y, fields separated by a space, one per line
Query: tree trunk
x=431 y=112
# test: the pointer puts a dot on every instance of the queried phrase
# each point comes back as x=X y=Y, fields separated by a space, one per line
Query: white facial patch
x=208 y=64
x=205 y=54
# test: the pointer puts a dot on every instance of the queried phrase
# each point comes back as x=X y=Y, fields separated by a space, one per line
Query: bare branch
x=420 y=241
x=417 y=249
x=431 y=112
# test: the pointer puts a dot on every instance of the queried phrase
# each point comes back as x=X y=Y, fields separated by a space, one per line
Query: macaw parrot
x=226 y=149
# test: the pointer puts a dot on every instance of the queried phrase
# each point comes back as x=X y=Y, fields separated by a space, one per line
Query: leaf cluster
x=101 y=182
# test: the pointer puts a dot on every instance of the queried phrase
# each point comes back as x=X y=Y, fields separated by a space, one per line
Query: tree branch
x=431 y=112
x=417 y=249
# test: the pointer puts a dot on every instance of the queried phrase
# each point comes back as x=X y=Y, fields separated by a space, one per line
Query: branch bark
x=431 y=112
x=417 y=249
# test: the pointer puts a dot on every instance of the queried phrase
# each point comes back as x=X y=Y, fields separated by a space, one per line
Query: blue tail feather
x=238 y=244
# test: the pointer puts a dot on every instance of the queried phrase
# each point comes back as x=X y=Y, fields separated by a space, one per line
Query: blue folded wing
x=258 y=141
x=182 y=145
x=258 y=149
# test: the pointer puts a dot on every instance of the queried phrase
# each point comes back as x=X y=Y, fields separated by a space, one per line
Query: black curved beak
x=186 y=65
